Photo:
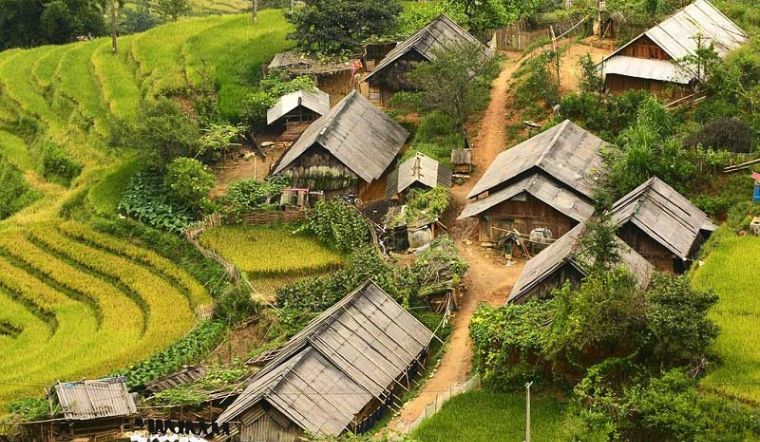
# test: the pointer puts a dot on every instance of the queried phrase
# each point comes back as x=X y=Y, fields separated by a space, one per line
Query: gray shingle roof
x=85 y=400
x=565 y=251
x=418 y=169
x=566 y=152
x=664 y=215
x=428 y=41
x=355 y=132
x=677 y=36
x=315 y=100
x=540 y=187
x=335 y=366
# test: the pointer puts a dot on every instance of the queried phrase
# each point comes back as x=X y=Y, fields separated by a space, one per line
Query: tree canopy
x=25 y=23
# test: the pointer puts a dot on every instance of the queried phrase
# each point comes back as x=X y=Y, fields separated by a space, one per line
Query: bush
x=189 y=181
x=56 y=165
x=148 y=200
x=166 y=132
x=337 y=225
x=245 y=196
x=725 y=133
x=428 y=203
x=536 y=90
x=234 y=304
x=15 y=193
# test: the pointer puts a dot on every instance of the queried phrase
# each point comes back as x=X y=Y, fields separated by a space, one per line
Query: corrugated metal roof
x=336 y=365
x=565 y=251
x=418 y=169
x=566 y=152
x=85 y=400
x=355 y=132
x=428 y=41
x=542 y=188
x=664 y=215
x=678 y=35
x=651 y=69
x=315 y=100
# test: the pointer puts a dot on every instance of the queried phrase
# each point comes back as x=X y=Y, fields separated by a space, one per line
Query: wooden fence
x=258 y=218
x=520 y=36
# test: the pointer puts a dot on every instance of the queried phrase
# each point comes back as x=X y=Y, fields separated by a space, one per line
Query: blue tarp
x=757 y=193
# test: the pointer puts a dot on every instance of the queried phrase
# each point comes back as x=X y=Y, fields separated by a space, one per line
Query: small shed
x=461 y=160
x=295 y=111
x=563 y=262
x=337 y=375
x=390 y=75
x=662 y=225
x=654 y=60
x=417 y=172
x=335 y=76
x=347 y=151
x=543 y=183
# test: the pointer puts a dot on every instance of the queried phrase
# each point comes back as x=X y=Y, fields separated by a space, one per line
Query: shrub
x=56 y=165
x=725 y=133
x=250 y=195
x=15 y=193
x=148 y=200
x=535 y=87
x=189 y=181
x=430 y=203
x=234 y=304
x=338 y=225
x=167 y=132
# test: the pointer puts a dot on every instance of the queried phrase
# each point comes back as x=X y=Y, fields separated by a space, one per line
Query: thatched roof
x=419 y=169
x=86 y=400
x=298 y=63
x=356 y=133
x=428 y=41
x=326 y=374
x=664 y=215
x=316 y=101
x=541 y=188
x=566 y=251
x=678 y=36
x=567 y=153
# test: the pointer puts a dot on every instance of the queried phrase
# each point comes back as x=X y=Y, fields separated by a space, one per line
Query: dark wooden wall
x=643 y=47
x=657 y=255
x=618 y=84
x=557 y=279
x=525 y=215
x=318 y=169
x=393 y=78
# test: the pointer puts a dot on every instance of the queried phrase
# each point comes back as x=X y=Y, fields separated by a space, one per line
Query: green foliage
x=591 y=82
x=604 y=115
x=148 y=200
x=190 y=349
x=31 y=409
x=418 y=14
x=15 y=193
x=172 y=9
x=139 y=19
x=535 y=87
x=456 y=82
x=339 y=26
x=428 y=204
x=216 y=378
x=234 y=304
x=216 y=142
x=438 y=129
x=166 y=132
x=338 y=225
x=189 y=181
x=731 y=134
x=56 y=165
x=250 y=195
x=25 y=23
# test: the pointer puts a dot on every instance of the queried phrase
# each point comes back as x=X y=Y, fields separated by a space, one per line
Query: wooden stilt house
x=656 y=60
x=662 y=225
x=390 y=75
x=336 y=376
x=563 y=262
x=347 y=151
x=542 y=183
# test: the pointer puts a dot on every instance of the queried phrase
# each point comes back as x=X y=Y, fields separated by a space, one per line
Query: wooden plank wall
x=524 y=216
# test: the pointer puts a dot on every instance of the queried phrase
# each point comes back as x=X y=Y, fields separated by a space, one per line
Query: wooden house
x=563 y=262
x=417 y=172
x=656 y=60
x=294 y=112
x=543 y=183
x=347 y=151
x=89 y=410
x=662 y=225
x=336 y=376
x=333 y=76
x=390 y=75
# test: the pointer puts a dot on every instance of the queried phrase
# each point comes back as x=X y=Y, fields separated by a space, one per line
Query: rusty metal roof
x=94 y=399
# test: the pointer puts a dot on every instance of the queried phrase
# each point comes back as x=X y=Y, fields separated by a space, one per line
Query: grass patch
x=106 y=195
x=731 y=270
x=271 y=250
x=486 y=416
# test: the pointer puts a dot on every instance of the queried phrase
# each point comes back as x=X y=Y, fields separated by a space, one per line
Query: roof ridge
x=334 y=114
x=562 y=127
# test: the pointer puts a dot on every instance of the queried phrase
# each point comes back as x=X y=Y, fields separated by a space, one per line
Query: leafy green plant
x=189 y=181
x=250 y=195
x=149 y=201
x=338 y=225
x=32 y=409
x=56 y=165
x=234 y=304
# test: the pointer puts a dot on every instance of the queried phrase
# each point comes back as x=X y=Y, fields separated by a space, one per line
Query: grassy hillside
x=77 y=303
x=731 y=271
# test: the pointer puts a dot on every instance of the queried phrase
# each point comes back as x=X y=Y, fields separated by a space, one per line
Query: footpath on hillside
x=487 y=280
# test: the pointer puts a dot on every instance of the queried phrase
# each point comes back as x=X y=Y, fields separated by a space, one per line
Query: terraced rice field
x=85 y=304
x=731 y=271
x=76 y=303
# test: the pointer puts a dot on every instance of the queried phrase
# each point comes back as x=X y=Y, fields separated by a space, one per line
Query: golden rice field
x=85 y=304
x=732 y=270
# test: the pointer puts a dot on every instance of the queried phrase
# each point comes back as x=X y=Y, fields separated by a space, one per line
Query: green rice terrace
x=65 y=289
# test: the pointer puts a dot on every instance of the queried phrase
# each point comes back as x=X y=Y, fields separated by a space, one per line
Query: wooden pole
x=527 y=410
x=114 y=48
x=255 y=11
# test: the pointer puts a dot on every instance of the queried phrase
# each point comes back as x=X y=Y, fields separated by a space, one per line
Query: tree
x=189 y=181
x=456 y=82
x=172 y=9
x=166 y=132
x=34 y=22
x=337 y=26
x=138 y=19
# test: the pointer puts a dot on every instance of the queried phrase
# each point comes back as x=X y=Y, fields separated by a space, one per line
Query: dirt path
x=488 y=280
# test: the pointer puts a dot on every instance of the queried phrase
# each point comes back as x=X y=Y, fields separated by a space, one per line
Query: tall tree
x=33 y=22
x=457 y=82
x=338 y=26
x=172 y=9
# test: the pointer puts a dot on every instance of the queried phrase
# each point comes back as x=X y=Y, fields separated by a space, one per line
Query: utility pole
x=255 y=11
x=114 y=48
x=527 y=410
